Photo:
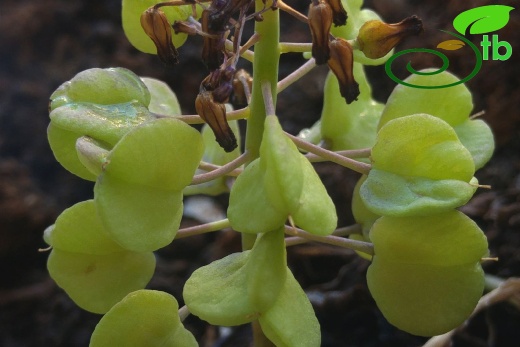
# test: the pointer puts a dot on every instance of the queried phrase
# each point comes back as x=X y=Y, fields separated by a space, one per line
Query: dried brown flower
x=320 y=21
x=156 y=26
x=341 y=63
x=376 y=39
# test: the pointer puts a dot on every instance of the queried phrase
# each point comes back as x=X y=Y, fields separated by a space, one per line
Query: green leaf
x=79 y=230
x=423 y=146
x=163 y=99
x=453 y=104
x=138 y=217
x=444 y=239
x=267 y=189
x=104 y=123
x=390 y=194
x=349 y=126
x=425 y=275
x=163 y=154
x=419 y=167
x=144 y=318
x=477 y=137
x=102 y=87
x=291 y=321
x=97 y=282
x=249 y=210
x=238 y=288
x=425 y=300
x=283 y=179
x=482 y=19
x=218 y=292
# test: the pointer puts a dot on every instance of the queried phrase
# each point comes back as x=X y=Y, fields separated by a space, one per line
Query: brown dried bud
x=214 y=114
x=242 y=85
x=213 y=48
x=376 y=38
x=185 y=27
x=222 y=10
x=320 y=21
x=156 y=26
x=339 y=15
x=341 y=63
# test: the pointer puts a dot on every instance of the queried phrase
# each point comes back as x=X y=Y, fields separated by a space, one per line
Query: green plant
x=417 y=154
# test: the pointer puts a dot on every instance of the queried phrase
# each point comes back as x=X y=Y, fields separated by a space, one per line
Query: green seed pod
x=103 y=104
x=93 y=269
x=349 y=126
x=267 y=188
x=426 y=276
x=139 y=195
x=240 y=287
x=124 y=325
x=291 y=321
x=419 y=167
x=453 y=105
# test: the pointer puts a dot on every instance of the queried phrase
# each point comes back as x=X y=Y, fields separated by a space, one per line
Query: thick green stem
x=265 y=70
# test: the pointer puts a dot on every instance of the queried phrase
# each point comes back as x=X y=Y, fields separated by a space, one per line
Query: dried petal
x=339 y=15
x=214 y=114
x=376 y=39
x=221 y=12
x=185 y=27
x=242 y=85
x=156 y=26
x=213 y=48
x=341 y=63
x=320 y=21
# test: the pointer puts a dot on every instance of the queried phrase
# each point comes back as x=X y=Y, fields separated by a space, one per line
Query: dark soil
x=44 y=43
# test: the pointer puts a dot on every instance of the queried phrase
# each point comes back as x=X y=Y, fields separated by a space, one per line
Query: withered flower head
x=185 y=27
x=213 y=47
x=320 y=21
x=156 y=26
x=222 y=10
x=242 y=85
x=339 y=15
x=214 y=114
x=341 y=63
x=376 y=38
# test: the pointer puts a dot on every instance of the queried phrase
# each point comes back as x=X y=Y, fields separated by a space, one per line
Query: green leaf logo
x=482 y=20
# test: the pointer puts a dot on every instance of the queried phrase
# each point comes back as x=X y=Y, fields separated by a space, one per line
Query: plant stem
x=344 y=231
x=266 y=60
x=184 y=312
x=352 y=164
x=296 y=75
x=221 y=171
x=349 y=153
x=361 y=246
x=203 y=228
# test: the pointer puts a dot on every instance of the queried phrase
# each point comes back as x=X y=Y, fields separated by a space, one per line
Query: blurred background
x=44 y=43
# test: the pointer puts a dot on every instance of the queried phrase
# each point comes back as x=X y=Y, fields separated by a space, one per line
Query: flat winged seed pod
x=139 y=194
x=265 y=187
x=419 y=167
x=93 y=269
x=124 y=325
x=421 y=278
x=453 y=105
